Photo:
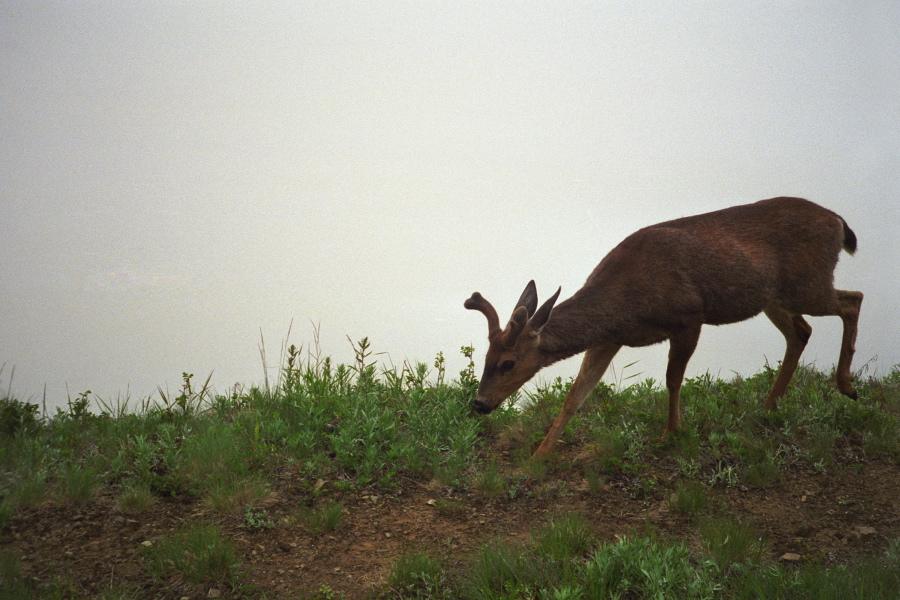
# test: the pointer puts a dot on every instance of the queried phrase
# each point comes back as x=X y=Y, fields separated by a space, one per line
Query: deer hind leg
x=681 y=348
x=848 y=309
x=595 y=362
x=796 y=333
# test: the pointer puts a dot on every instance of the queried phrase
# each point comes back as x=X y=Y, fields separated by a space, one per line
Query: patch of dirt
x=851 y=510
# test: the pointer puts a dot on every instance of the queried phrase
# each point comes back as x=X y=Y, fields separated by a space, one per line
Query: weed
x=417 y=575
x=490 y=481
x=78 y=484
x=729 y=541
x=689 y=498
x=228 y=496
x=135 y=497
x=256 y=519
x=450 y=507
x=688 y=467
x=595 y=481
x=724 y=474
x=16 y=415
x=197 y=553
x=763 y=473
x=564 y=538
x=322 y=519
x=647 y=568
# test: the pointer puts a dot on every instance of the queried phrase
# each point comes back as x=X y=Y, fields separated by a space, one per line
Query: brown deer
x=664 y=282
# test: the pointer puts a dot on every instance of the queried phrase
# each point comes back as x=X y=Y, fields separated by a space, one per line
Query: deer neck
x=575 y=326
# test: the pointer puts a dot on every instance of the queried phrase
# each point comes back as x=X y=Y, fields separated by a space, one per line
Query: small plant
x=325 y=518
x=644 y=488
x=490 y=481
x=197 y=553
x=31 y=491
x=450 y=507
x=723 y=474
x=763 y=473
x=6 y=513
x=326 y=593
x=256 y=519
x=229 y=495
x=417 y=575
x=689 y=498
x=565 y=593
x=78 y=484
x=595 y=482
x=188 y=401
x=688 y=467
x=646 y=568
x=135 y=497
x=15 y=415
x=729 y=542
x=564 y=538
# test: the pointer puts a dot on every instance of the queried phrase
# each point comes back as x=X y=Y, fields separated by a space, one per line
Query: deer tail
x=849 y=238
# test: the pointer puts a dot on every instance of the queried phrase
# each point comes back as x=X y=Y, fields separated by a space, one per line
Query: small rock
x=790 y=557
x=387 y=535
x=214 y=593
x=865 y=530
x=146 y=544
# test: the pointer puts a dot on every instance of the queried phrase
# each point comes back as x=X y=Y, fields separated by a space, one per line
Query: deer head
x=512 y=357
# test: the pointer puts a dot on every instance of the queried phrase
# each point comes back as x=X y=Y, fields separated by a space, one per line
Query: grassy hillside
x=330 y=443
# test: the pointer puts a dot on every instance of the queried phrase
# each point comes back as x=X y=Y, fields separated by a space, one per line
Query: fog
x=185 y=182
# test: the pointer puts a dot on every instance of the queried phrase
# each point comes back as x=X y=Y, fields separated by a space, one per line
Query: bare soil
x=833 y=517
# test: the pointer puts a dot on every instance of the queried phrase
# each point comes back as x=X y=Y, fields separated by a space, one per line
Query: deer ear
x=515 y=326
x=542 y=315
x=528 y=299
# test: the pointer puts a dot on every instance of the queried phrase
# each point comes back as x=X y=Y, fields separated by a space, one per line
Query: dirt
x=832 y=517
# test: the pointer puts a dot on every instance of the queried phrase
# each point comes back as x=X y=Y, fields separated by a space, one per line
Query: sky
x=182 y=183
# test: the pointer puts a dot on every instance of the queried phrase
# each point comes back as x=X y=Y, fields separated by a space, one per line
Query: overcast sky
x=177 y=178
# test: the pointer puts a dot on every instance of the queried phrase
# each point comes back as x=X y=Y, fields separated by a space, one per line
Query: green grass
x=689 y=498
x=363 y=428
x=197 y=553
x=321 y=519
x=562 y=560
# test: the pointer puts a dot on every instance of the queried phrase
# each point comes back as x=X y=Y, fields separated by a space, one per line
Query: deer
x=664 y=282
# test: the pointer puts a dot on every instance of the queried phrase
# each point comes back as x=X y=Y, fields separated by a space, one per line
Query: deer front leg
x=595 y=362
x=681 y=347
x=796 y=333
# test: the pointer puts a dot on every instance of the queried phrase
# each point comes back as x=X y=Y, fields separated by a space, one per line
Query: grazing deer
x=664 y=282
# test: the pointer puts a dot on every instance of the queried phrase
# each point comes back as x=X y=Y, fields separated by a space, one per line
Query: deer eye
x=507 y=365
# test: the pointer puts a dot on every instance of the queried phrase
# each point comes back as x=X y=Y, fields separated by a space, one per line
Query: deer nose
x=481 y=408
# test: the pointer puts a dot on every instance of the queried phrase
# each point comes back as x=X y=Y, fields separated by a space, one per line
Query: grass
x=197 y=553
x=689 y=498
x=321 y=519
x=363 y=429
x=562 y=560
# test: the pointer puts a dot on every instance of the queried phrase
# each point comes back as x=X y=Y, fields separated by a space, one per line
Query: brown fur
x=664 y=282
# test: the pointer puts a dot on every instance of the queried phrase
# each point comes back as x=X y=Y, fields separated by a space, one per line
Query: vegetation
x=327 y=429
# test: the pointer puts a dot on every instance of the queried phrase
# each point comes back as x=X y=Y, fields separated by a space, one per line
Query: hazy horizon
x=181 y=179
